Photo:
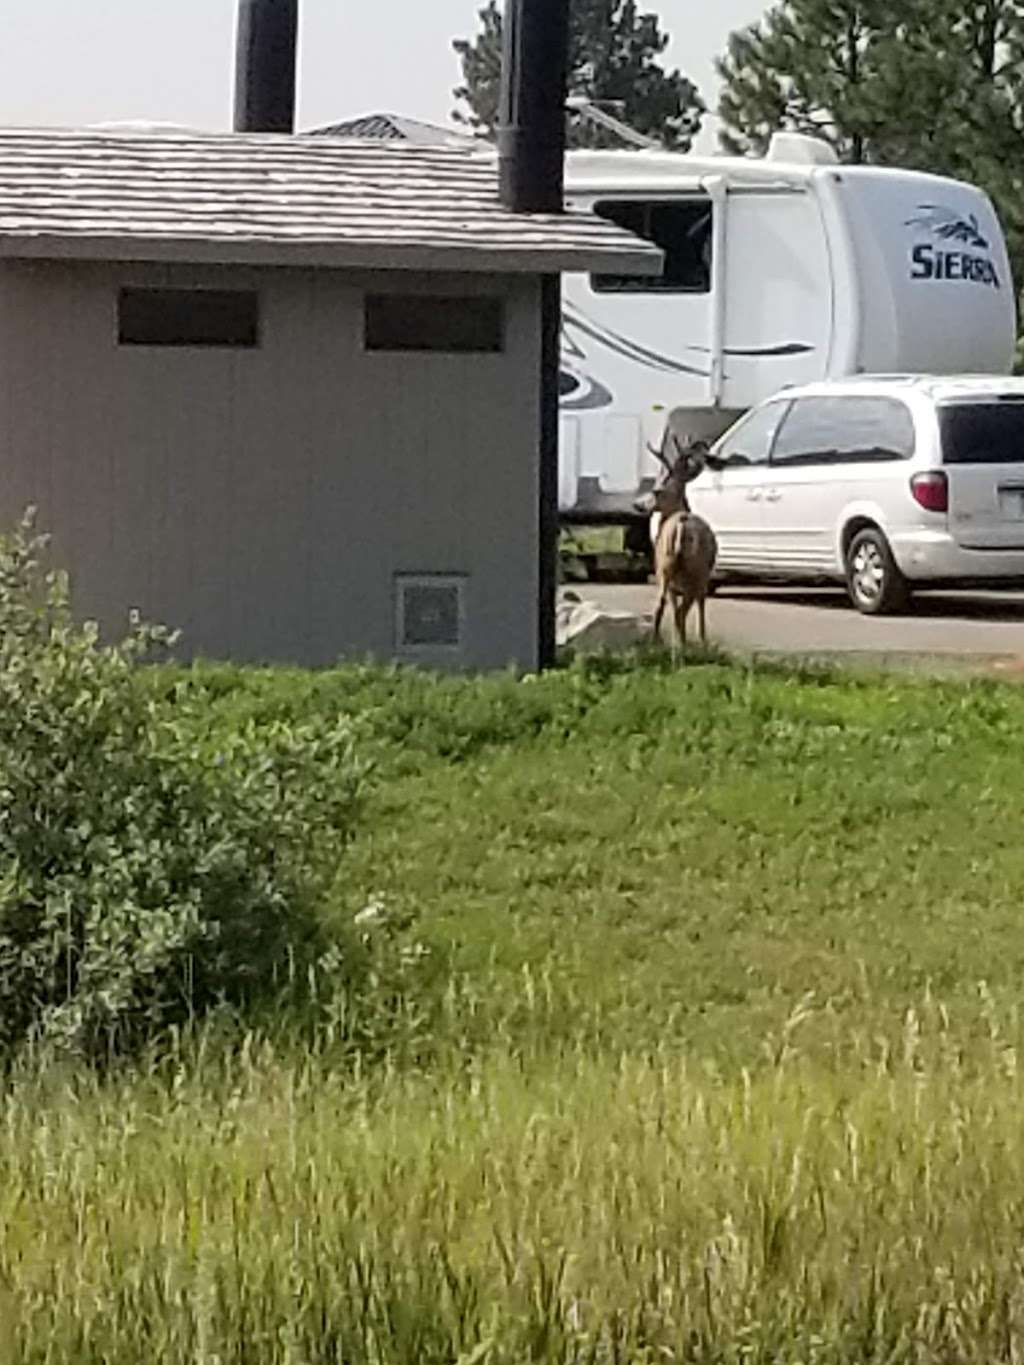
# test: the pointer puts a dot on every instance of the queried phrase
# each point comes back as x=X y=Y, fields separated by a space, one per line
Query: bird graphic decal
x=949 y=225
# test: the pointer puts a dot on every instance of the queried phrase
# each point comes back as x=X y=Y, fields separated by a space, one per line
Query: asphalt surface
x=959 y=629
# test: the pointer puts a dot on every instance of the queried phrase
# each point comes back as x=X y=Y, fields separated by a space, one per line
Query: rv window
x=820 y=431
x=681 y=228
x=426 y=322
x=189 y=317
x=750 y=442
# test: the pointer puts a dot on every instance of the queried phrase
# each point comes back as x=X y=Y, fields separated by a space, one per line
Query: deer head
x=690 y=461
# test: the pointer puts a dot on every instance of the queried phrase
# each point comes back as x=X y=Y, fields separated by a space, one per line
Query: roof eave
x=331 y=254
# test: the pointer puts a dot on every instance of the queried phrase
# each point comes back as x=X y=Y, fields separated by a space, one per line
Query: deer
x=685 y=548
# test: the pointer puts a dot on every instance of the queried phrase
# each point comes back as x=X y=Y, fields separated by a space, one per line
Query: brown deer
x=685 y=548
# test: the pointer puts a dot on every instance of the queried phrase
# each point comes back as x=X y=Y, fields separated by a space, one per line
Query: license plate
x=1011 y=504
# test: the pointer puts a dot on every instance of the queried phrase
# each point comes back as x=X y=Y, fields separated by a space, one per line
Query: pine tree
x=614 y=60
x=812 y=66
x=933 y=85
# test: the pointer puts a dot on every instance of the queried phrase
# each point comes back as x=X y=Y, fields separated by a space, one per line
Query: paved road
x=959 y=628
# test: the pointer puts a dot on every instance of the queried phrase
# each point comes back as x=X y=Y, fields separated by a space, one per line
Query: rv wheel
x=873 y=580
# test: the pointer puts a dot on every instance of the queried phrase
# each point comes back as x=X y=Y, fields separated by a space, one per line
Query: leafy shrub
x=147 y=870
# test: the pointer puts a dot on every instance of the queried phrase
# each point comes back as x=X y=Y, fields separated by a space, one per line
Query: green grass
x=587 y=1209
x=586 y=549
x=594 y=540
x=679 y=855
x=717 y=1060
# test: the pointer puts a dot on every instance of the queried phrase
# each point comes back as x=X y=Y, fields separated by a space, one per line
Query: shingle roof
x=395 y=128
x=282 y=200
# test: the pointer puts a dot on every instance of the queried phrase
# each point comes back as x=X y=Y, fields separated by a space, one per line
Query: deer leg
x=682 y=608
x=702 y=617
x=659 y=612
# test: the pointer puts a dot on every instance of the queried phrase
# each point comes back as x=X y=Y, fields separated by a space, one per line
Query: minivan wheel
x=875 y=584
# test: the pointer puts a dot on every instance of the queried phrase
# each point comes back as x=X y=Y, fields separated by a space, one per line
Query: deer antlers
x=682 y=451
x=659 y=455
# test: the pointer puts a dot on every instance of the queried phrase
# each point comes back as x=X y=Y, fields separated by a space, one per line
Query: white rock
x=585 y=626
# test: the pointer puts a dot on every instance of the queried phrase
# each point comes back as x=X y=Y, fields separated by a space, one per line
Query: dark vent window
x=681 y=228
x=423 y=322
x=189 y=317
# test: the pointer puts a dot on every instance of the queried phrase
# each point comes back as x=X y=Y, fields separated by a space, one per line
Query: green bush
x=147 y=870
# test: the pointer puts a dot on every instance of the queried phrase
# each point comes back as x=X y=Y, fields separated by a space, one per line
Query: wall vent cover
x=431 y=612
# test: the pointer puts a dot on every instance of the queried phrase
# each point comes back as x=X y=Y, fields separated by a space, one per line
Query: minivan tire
x=873 y=580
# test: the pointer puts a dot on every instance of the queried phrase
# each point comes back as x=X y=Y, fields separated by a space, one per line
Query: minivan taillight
x=931 y=490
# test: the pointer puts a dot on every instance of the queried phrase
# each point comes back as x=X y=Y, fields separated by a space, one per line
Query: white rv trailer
x=781 y=270
x=778 y=271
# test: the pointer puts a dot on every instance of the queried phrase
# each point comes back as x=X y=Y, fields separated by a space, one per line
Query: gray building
x=282 y=393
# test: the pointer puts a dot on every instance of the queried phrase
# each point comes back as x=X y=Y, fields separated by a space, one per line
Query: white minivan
x=886 y=483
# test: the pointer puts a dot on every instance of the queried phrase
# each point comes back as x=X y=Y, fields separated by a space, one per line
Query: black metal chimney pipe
x=531 y=162
x=266 y=56
x=531 y=132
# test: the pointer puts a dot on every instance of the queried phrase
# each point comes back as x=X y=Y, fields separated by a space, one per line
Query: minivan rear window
x=982 y=433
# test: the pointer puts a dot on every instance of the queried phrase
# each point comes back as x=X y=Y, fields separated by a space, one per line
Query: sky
x=74 y=62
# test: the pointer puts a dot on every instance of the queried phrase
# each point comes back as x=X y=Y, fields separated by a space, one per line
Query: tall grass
x=713 y=1057
x=584 y=1208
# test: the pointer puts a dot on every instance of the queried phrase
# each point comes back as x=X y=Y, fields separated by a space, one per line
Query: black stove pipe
x=266 y=56
x=531 y=131
x=531 y=161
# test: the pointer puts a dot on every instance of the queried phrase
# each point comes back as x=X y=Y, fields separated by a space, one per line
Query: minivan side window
x=750 y=441
x=847 y=430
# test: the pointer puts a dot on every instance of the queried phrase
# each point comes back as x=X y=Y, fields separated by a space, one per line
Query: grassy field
x=712 y=1058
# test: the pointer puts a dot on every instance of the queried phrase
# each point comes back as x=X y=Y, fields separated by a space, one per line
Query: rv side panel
x=779 y=294
x=935 y=287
